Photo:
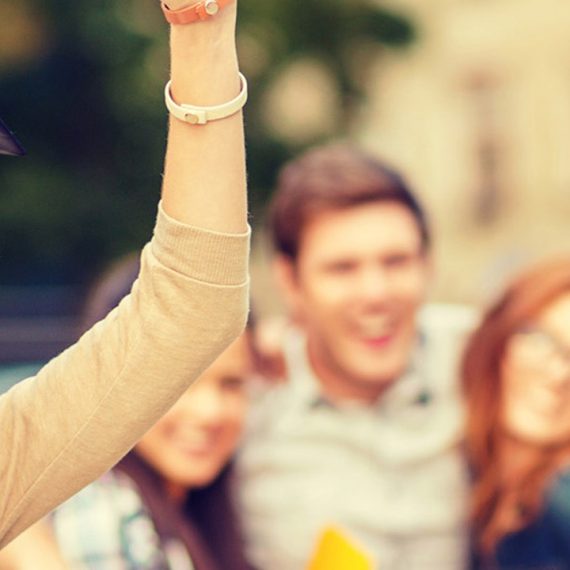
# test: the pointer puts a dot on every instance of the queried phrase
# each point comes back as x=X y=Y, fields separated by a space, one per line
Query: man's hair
x=334 y=177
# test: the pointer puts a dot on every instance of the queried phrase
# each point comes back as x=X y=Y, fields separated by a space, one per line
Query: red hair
x=493 y=499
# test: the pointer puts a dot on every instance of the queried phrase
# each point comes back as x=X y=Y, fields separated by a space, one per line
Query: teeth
x=193 y=441
x=193 y=447
x=375 y=331
x=375 y=328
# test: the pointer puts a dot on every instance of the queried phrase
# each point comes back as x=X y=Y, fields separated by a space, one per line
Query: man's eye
x=395 y=261
x=233 y=383
x=340 y=267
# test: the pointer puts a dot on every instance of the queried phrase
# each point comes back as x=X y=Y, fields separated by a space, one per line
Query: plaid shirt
x=107 y=527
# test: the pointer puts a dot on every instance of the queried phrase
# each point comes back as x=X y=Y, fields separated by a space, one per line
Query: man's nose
x=374 y=285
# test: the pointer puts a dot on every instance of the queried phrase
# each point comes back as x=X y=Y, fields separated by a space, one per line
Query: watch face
x=8 y=142
x=212 y=7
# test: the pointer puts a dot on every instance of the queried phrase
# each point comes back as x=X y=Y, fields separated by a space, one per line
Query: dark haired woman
x=86 y=408
x=166 y=504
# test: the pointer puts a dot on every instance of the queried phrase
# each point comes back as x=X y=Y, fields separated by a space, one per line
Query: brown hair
x=108 y=290
x=333 y=177
x=492 y=497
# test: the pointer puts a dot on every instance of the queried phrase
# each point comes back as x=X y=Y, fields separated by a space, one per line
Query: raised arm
x=205 y=165
x=87 y=407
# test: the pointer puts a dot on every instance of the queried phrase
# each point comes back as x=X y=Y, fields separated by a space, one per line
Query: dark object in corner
x=8 y=142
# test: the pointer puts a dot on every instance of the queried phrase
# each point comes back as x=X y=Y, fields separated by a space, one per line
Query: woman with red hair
x=517 y=381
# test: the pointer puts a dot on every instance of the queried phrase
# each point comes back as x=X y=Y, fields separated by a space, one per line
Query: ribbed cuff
x=204 y=255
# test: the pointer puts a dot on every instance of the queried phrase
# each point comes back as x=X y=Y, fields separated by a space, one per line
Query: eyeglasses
x=542 y=348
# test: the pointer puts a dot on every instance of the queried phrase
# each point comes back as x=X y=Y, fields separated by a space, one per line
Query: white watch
x=201 y=115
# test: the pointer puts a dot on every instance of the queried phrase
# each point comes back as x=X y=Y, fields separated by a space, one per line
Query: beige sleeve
x=87 y=407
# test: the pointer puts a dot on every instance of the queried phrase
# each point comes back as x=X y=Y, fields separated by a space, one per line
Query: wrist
x=210 y=38
x=204 y=66
x=204 y=69
x=197 y=11
x=202 y=51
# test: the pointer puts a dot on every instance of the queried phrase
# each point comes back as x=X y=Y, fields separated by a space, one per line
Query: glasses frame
x=552 y=345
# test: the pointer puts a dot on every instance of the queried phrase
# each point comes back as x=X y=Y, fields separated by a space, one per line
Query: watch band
x=201 y=10
x=201 y=115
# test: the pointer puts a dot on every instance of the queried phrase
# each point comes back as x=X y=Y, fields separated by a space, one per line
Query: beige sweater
x=87 y=407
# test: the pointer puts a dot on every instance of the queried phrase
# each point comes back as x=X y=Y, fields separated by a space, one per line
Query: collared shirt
x=391 y=476
x=106 y=526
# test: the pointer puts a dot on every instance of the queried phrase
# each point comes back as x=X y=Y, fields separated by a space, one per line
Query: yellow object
x=335 y=551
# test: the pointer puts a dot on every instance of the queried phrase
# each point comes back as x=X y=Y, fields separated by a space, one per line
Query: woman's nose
x=203 y=404
x=558 y=368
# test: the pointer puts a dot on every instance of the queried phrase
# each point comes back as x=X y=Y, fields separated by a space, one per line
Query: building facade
x=477 y=113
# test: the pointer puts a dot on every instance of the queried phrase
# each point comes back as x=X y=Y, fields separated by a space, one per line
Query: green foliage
x=333 y=32
x=88 y=108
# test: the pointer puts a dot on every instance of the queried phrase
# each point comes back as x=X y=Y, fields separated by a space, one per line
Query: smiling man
x=364 y=435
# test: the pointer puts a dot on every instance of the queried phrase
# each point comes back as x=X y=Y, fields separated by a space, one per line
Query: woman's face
x=191 y=444
x=536 y=377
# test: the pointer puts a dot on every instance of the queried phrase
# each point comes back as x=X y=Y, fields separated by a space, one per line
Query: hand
x=175 y=5
x=178 y=4
x=268 y=339
x=211 y=14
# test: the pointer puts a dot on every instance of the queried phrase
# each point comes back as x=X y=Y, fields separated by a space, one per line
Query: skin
x=204 y=185
x=359 y=279
x=536 y=404
x=35 y=548
x=192 y=443
x=204 y=71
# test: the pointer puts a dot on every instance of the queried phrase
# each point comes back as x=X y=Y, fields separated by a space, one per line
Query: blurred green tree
x=82 y=85
x=343 y=36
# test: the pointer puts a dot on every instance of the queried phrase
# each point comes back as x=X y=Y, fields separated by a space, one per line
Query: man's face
x=358 y=281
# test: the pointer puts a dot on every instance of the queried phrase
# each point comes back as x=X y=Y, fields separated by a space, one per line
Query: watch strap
x=198 y=11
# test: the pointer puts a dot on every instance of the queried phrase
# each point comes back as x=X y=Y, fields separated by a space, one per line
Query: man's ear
x=429 y=264
x=285 y=274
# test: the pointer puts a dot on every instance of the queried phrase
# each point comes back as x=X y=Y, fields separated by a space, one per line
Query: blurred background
x=470 y=98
